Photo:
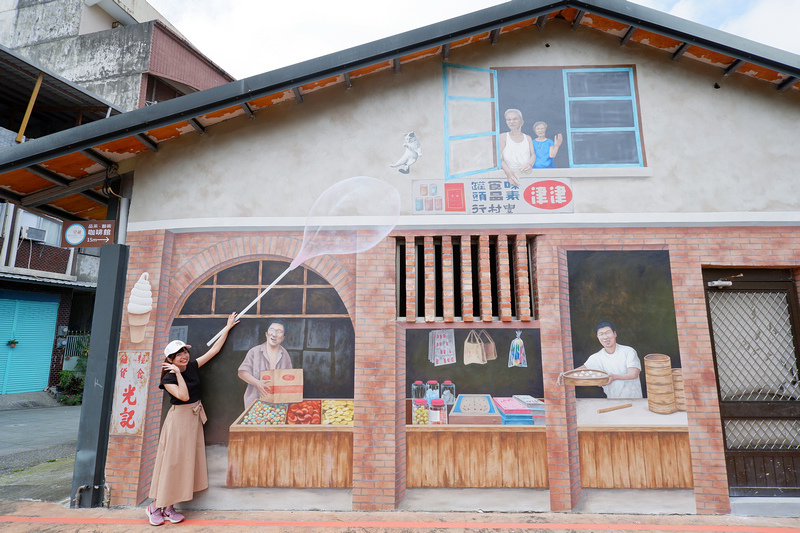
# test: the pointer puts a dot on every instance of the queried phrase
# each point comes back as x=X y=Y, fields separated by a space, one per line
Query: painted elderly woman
x=516 y=148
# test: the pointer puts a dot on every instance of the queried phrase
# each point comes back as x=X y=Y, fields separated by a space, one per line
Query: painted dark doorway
x=320 y=336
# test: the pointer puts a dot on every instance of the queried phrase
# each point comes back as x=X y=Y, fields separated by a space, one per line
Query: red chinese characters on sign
x=548 y=194
x=130 y=392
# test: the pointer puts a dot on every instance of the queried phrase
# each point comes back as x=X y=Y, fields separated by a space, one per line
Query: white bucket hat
x=174 y=347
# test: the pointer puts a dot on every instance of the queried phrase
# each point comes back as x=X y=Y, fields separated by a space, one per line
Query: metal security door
x=756 y=357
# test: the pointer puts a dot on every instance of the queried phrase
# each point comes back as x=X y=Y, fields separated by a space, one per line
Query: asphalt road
x=34 y=436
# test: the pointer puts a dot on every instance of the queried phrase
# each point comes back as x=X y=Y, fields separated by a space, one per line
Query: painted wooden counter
x=476 y=456
x=627 y=448
x=301 y=456
x=632 y=448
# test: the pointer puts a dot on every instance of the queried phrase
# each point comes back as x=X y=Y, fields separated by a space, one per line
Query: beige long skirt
x=180 y=468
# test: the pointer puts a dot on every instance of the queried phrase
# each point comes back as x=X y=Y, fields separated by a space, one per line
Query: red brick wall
x=175 y=59
x=177 y=264
x=379 y=428
x=180 y=262
x=41 y=257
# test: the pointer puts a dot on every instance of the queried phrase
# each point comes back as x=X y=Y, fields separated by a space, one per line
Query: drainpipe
x=8 y=219
x=12 y=254
x=122 y=220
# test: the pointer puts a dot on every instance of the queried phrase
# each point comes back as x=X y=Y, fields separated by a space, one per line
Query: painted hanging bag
x=474 y=352
x=516 y=353
x=488 y=345
x=442 y=347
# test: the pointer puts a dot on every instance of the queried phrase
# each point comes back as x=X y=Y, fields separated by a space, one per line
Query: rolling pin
x=607 y=409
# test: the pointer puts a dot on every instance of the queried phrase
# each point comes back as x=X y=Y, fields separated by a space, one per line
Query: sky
x=248 y=37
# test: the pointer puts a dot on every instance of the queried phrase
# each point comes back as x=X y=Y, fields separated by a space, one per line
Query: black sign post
x=88 y=477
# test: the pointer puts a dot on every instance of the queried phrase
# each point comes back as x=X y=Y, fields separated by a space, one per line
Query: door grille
x=747 y=434
x=754 y=345
x=755 y=353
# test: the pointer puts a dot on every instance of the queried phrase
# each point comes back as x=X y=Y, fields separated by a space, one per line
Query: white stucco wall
x=709 y=152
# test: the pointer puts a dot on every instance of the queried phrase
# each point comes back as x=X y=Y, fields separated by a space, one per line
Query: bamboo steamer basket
x=677 y=385
x=660 y=388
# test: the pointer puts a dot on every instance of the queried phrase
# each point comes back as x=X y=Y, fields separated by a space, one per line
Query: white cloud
x=772 y=22
x=248 y=37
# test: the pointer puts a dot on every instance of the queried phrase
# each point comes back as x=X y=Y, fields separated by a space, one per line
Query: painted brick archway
x=177 y=264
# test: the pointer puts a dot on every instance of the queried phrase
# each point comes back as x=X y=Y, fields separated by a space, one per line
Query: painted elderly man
x=267 y=356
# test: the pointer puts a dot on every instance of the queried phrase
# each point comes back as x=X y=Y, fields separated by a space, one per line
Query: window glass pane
x=230 y=300
x=52 y=227
x=469 y=155
x=272 y=269
x=324 y=302
x=614 y=83
x=469 y=82
x=245 y=274
x=470 y=116
x=198 y=303
x=605 y=148
x=601 y=114
x=281 y=301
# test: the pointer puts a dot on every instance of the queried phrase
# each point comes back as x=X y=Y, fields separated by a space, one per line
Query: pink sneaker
x=172 y=515
x=155 y=515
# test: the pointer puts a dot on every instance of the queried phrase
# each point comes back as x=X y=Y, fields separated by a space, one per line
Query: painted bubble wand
x=349 y=217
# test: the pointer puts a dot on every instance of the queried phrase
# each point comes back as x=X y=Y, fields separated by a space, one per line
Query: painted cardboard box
x=287 y=385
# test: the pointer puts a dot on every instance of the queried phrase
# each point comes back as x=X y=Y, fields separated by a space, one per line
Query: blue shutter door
x=27 y=367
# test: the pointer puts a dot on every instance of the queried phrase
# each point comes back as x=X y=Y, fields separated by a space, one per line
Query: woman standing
x=180 y=468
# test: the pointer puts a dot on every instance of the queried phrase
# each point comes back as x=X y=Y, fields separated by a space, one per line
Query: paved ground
x=38 y=437
x=37 y=516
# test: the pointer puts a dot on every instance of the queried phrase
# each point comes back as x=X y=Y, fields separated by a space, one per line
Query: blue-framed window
x=602 y=119
x=471 y=118
x=593 y=109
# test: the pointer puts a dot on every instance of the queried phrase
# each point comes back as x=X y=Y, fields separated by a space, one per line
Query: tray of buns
x=585 y=377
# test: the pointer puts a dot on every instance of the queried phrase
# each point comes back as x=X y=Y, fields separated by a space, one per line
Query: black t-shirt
x=192 y=378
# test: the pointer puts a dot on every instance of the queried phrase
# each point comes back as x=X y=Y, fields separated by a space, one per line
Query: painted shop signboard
x=491 y=196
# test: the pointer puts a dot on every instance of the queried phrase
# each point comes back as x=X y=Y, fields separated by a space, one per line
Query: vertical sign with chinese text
x=130 y=392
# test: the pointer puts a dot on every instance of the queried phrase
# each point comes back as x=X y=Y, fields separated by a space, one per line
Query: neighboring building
x=121 y=50
x=669 y=209
x=104 y=50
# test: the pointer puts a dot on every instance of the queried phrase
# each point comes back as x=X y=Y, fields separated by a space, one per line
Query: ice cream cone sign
x=140 y=305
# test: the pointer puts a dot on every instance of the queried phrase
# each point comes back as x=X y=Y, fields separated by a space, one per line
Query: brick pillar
x=411 y=280
x=467 y=298
x=562 y=423
x=485 y=278
x=709 y=470
x=521 y=278
x=430 y=279
x=130 y=459
x=503 y=279
x=379 y=426
x=447 y=279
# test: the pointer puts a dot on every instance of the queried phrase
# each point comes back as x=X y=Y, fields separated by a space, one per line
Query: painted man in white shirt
x=620 y=362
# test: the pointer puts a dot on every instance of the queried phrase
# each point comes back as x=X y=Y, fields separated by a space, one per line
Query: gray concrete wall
x=26 y=22
x=708 y=150
x=108 y=63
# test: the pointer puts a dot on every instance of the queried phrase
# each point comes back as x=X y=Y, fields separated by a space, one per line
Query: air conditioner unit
x=34 y=234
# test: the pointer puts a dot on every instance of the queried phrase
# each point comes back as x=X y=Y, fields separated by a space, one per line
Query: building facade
x=656 y=208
